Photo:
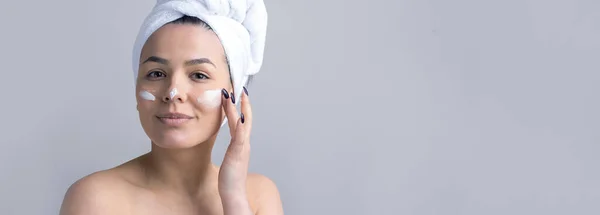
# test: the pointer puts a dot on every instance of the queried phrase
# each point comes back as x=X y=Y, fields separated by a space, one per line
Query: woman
x=191 y=61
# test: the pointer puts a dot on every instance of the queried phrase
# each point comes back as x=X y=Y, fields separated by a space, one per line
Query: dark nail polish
x=232 y=98
x=242 y=118
x=225 y=93
x=246 y=91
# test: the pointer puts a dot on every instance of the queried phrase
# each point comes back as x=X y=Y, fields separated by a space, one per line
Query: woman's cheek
x=210 y=99
x=146 y=95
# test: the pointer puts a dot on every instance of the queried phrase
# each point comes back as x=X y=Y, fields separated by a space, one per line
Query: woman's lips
x=173 y=119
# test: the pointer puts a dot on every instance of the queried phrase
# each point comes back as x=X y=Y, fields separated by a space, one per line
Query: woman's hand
x=234 y=169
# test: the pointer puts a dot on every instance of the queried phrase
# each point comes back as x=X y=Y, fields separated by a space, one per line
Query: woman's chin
x=181 y=137
x=174 y=145
x=176 y=141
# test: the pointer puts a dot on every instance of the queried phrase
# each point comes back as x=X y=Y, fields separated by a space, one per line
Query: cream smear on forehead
x=147 y=95
x=210 y=98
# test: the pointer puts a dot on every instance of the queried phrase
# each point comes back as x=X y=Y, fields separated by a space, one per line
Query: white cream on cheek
x=210 y=98
x=147 y=95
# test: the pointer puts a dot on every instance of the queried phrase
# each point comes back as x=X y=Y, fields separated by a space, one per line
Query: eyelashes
x=198 y=75
x=158 y=75
x=155 y=75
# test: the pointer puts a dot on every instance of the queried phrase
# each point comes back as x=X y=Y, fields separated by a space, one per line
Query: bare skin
x=177 y=175
x=124 y=190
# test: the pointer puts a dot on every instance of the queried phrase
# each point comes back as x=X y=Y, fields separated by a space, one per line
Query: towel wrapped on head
x=241 y=26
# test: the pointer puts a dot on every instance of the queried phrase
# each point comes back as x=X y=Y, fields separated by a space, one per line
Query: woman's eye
x=199 y=76
x=156 y=74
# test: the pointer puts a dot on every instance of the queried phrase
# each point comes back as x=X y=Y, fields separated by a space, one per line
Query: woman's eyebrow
x=156 y=60
x=187 y=63
x=199 y=61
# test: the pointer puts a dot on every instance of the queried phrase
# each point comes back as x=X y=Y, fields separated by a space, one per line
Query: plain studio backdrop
x=361 y=108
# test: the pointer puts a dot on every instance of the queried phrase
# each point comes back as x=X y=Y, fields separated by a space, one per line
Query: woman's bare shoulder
x=97 y=193
x=264 y=194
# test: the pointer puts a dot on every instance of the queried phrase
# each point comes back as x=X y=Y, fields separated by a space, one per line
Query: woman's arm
x=233 y=173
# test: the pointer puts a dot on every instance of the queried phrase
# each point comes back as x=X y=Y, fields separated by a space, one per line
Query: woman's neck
x=182 y=170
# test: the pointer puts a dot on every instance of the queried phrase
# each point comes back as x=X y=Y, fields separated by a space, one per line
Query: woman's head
x=182 y=70
x=180 y=64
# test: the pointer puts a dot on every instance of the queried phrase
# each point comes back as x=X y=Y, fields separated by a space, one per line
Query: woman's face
x=181 y=74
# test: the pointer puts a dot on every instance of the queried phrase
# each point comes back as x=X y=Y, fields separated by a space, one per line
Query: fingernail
x=246 y=91
x=225 y=94
x=232 y=98
x=242 y=118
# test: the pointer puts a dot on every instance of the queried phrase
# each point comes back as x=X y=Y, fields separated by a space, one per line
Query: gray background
x=387 y=107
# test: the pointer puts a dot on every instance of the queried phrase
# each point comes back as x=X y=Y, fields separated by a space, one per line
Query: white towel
x=241 y=25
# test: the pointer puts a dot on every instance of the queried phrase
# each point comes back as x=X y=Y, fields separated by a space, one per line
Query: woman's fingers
x=232 y=177
x=234 y=168
x=239 y=147
x=246 y=112
x=228 y=100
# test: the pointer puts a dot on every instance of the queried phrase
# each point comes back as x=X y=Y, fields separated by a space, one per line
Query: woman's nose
x=173 y=96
